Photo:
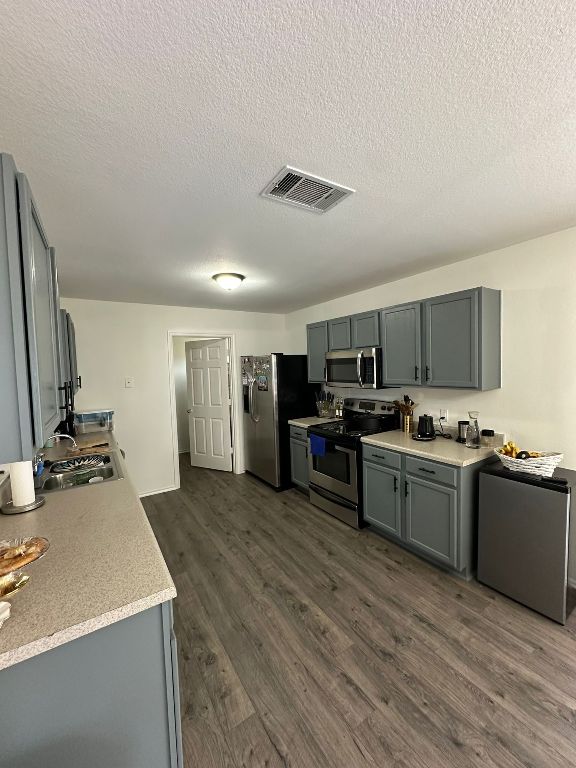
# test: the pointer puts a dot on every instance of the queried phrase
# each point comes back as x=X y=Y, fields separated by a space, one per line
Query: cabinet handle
x=416 y=371
x=428 y=471
x=306 y=451
x=395 y=484
x=427 y=373
x=405 y=487
x=79 y=382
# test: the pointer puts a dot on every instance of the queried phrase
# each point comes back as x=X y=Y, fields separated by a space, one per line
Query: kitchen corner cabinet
x=317 y=346
x=365 y=328
x=426 y=506
x=401 y=333
x=462 y=340
x=30 y=338
x=339 y=334
x=299 y=457
x=109 y=698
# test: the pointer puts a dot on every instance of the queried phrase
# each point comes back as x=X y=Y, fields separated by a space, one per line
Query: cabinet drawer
x=298 y=433
x=382 y=456
x=439 y=473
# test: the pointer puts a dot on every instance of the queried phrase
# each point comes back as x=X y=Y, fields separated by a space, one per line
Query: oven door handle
x=332 y=497
x=359 y=368
x=349 y=451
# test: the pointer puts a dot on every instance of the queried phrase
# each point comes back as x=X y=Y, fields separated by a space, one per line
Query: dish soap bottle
x=473 y=430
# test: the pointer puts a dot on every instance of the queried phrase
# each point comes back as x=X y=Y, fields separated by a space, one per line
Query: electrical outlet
x=444 y=413
x=129 y=382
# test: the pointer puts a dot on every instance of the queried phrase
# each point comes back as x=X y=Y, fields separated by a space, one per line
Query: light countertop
x=103 y=564
x=447 y=451
x=312 y=421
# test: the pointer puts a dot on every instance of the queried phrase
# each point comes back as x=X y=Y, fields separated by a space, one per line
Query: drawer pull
x=428 y=471
x=416 y=371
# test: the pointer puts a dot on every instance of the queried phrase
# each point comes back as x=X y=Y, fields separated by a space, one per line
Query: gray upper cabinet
x=339 y=334
x=365 y=329
x=17 y=440
x=75 y=378
x=317 y=345
x=401 y=333
x=462 y=340
x=65 y=374
x=32 y=371
x=42 y=318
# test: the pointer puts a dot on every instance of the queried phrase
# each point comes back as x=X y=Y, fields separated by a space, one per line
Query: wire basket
x=544 y=465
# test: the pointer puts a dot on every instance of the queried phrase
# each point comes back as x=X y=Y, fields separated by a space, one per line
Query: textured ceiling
x=148 y=129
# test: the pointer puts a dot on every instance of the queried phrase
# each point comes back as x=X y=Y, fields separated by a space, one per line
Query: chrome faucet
x=68 y=437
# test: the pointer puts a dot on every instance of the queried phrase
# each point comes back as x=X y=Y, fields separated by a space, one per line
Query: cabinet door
x=402 y=344
x=65 y=375
x=366 y=329
x=299 y=463
x=41 y=317
x=431 y=519
x=75 y=378
x=16 y=438
x=339 y=334
x=382 y=498
x=317 y=345
x=451 y=339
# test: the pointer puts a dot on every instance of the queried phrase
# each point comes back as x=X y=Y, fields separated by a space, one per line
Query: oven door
x=335 y=471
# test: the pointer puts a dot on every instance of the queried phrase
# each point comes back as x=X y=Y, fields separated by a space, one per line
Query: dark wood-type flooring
x=305 y=643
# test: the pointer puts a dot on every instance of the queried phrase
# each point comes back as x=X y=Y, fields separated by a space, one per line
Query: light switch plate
x=129 y=382
x=444 y=413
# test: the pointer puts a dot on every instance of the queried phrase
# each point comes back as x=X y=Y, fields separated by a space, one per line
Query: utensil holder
x=407 y=423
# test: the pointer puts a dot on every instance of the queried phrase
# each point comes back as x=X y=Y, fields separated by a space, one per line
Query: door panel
x=402 y=344
x=317 y=345
x=366 y=330
x=452 y=340
x=382 y=498
x=431 y=519
x=339 y=334
x=299 y=463
x=41 y=317
x=209 y=404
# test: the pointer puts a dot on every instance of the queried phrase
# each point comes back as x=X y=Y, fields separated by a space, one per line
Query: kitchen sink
x=62 y=481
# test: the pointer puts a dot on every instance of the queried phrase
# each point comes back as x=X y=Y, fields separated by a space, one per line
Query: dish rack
x=543 y=466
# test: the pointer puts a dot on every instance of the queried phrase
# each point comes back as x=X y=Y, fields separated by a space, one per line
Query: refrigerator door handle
x=253 y=414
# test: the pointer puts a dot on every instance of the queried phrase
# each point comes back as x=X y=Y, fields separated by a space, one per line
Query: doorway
x=203 y=397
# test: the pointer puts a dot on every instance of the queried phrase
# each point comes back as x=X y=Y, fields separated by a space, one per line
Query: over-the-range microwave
x=360 y=368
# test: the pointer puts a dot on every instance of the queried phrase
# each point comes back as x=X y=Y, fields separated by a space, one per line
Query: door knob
x=189 y=410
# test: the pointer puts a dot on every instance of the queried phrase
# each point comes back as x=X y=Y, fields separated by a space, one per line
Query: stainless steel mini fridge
x=523 y=537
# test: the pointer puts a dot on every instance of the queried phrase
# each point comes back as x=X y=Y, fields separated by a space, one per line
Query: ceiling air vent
x=298 y=188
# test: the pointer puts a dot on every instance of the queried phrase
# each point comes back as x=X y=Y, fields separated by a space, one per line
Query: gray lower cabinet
x=317 y=346
x=109 y=698
x=382 y=500
x=427 y=506
x=339 y=334
x=365 y=328
x=401 y=333
x=431 y=519
x=299 y=458
x=462 y=340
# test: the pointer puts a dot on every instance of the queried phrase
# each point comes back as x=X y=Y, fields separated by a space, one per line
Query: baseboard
x=160 y=490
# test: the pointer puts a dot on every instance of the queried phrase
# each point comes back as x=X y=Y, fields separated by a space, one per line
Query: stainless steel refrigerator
x=275 y=389
x=523 y=537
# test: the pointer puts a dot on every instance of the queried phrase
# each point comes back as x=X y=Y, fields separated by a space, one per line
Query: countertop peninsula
x=103 y=565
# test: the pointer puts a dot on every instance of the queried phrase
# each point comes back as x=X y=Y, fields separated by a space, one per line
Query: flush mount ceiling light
x=228 y=280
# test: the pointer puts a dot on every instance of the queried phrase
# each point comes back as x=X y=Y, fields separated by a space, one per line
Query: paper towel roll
x=22 y=483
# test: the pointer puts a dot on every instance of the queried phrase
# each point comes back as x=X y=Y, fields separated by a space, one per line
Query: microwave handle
x=359 y=367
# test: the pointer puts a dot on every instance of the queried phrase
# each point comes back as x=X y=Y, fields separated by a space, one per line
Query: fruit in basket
x=510 y=449
x=534 y=454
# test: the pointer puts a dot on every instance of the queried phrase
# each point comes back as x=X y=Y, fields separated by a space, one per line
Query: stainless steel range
x=335 y=457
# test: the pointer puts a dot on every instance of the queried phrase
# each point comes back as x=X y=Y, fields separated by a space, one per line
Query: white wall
x=116 y=340
x=536 y=405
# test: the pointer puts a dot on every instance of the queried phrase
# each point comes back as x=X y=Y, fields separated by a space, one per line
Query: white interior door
x=209 y=404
